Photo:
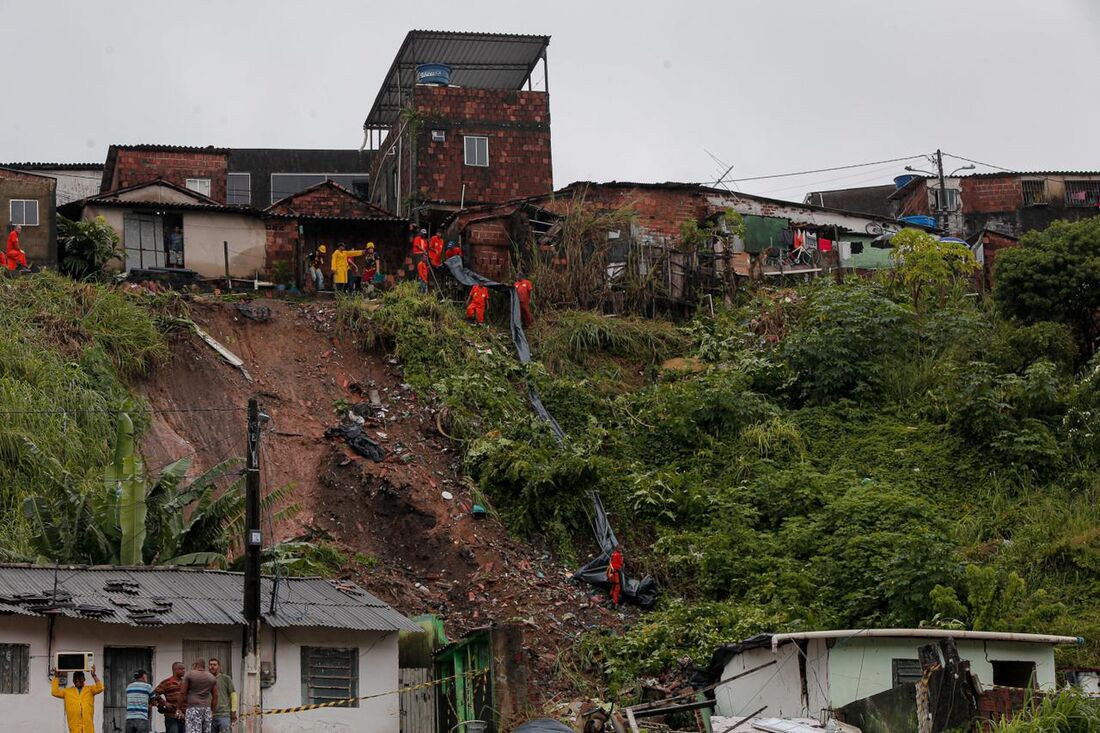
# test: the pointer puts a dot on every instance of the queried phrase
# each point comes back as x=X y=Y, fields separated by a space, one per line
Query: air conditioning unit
x=74 y=661
x=439 y=136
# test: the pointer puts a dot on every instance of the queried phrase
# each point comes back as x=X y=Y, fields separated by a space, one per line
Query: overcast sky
x=640 y=90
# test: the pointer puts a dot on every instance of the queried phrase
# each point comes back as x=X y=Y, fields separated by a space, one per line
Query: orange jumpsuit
x=523 y=292
x=422 y=273
x=435 y=250
x=420 y=246
x=453 y=250
x=16 y=257
x=479 y=296
x=615 y=575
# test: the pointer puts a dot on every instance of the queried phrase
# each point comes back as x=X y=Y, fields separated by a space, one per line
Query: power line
x=821 y=170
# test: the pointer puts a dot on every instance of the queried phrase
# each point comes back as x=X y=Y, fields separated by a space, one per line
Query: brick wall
x=328 y=199
x=488 y=248
x=990 y=195
x=39 y=242
x=281 y=234
x=141 y=166
x=660 y=211
x=517 y=124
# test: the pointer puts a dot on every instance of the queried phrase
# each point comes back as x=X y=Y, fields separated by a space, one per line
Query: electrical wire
x=818 y=170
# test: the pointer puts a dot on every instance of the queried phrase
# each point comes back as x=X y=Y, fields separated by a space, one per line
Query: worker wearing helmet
x=420 y=244
x=341 y=263
x=370 y=267
x=315 y=262
x=475 y=305
x=435 y=250
x=453 y=250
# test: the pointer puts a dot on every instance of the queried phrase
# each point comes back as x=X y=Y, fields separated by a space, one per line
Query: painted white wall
x=38 y=712
x=203 y=237
x=778 y=686
x=75 y=183
x=862 y=667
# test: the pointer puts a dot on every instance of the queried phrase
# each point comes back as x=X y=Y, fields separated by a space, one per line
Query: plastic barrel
x=433 y=74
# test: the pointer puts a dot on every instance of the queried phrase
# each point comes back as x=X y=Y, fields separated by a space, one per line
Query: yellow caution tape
x=346 y=700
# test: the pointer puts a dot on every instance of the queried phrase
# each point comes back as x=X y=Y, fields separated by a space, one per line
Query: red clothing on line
x=825 y=245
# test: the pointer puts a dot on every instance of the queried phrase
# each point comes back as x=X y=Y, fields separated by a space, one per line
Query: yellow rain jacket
x=340 y=264
x=79 y=705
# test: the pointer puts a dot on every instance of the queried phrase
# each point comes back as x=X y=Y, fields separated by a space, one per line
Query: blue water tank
x=433 y=74
x=902 y=181
x=921 y=221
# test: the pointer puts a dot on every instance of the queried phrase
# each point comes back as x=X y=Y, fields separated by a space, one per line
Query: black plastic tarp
x=358 y=441
x=641 y=592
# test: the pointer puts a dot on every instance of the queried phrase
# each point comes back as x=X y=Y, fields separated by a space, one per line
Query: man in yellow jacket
x=79 y=701
x=341 y=258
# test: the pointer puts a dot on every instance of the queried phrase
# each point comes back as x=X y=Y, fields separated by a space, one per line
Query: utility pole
x=941 y=198
x=253 y=540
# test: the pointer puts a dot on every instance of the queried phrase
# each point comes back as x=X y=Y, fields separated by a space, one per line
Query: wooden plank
x=417 y=706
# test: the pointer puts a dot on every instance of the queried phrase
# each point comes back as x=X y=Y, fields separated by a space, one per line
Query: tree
x=1054 y=275
x=926 y=264
x=86 y=247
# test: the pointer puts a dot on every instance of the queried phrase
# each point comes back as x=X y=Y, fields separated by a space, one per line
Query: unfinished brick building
x=453 y=124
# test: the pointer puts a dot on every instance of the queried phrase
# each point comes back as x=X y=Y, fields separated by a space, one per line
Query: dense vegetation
x=833 y=456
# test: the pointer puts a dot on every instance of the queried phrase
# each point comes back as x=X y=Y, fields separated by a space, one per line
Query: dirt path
x=408 y=544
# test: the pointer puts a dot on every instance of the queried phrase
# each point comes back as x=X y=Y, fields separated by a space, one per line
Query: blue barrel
x=903 y=181
x=433 y=74
x=921 y=221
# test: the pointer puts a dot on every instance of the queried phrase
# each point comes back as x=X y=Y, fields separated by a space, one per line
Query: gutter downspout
x=778 y=639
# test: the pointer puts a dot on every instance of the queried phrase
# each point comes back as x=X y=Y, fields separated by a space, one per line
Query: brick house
x=1009 y=203
x=74 y=180
x=478 y=137
x=28 y=199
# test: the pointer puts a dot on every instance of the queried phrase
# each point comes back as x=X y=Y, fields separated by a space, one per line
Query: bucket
x=433 y=74
x=902 y=181
x=921 y=221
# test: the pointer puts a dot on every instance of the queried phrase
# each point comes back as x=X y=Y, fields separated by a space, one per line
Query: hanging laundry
x=786 y=240
x=825 y=245
x=810 y=241
x=799 y=239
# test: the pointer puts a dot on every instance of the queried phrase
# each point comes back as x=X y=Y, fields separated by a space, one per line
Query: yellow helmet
x=322 y=249
x=370 y=245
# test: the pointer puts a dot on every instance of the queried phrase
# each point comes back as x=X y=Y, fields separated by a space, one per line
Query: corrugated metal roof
x=477 y=60
x=34 y=166
x=157 y=595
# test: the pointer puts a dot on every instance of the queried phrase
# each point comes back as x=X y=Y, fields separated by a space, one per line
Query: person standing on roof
x=139 y=698
x=523 y=294
x=316 y=261
x=475 y=306
x=615 y=574
x=435 y=250
x=79 y=701
x=341 y=260
x=16 y=256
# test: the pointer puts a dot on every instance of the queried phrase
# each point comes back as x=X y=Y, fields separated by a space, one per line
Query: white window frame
x=466 y=139
x=196 y=184
x=238 y=173
x=23 y=217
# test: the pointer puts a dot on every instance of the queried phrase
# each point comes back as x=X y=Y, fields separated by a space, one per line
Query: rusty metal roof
x=144 y=596
x=477 y=60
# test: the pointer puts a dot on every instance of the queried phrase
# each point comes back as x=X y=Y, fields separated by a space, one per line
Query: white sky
x=639 y=90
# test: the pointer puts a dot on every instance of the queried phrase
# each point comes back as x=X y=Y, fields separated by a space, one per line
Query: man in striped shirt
x=139 y=698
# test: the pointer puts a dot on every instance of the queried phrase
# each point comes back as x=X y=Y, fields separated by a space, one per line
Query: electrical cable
x=818 y=170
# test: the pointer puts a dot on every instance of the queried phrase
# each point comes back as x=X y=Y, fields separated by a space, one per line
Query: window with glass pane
x=199 y=185
x=477 y=151
x=239 y=189
x=24 y=212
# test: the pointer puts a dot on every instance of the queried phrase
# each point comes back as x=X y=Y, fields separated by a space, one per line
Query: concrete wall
x=862 y=667
x=779 y=686
x=75 y=183
x=203 y=234
x=38 y=712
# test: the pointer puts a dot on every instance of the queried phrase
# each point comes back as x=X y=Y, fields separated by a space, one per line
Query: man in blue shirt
x=139 y=698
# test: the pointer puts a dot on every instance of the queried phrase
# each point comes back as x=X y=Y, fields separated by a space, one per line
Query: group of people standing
x=195 y=701
x=346 y=273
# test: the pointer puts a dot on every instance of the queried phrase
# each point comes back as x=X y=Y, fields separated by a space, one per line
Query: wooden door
x=206 y=649
x=119 y=666
x=417 y=706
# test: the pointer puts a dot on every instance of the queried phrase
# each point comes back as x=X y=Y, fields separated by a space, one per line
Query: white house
x=800 y=675
x=320 y=640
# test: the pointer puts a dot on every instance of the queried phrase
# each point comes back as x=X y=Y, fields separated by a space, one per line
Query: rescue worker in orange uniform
x=422 y=274
x=523 y=292
x=435 y=250
x=16 y=257
x=615 y=574
x=475 y=307
x=420 y=244
x=453 y=250
x=79 y=701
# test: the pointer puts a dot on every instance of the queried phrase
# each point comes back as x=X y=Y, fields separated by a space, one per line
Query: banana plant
x=126 y=484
